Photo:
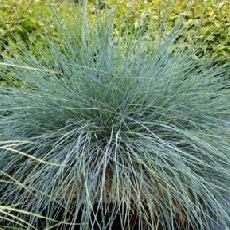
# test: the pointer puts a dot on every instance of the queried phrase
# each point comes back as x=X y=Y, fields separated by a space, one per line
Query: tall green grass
x=114 y=128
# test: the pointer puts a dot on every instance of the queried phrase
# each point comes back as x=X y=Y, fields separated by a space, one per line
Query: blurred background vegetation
x=206 y=22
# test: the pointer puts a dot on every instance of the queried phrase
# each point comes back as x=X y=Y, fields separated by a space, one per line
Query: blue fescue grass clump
x=110 y=127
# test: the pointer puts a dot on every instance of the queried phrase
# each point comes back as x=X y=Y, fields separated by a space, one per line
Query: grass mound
x=104 y=130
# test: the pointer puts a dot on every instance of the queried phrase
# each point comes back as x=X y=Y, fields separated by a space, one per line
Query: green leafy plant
x=111 y=131
x=29 y=22
x=33 y=18
x=206 y=22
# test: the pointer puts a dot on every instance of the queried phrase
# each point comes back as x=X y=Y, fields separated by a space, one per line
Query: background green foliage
x=22 y=19
x=205 y=21
x=29 y=22
x=26 y=19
